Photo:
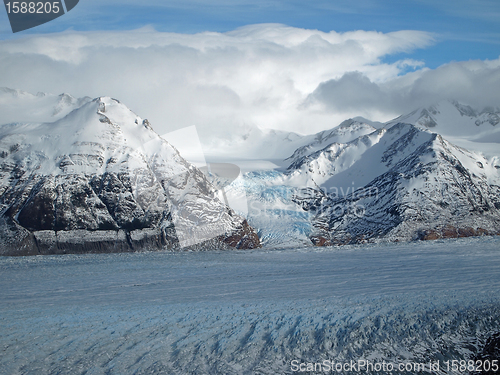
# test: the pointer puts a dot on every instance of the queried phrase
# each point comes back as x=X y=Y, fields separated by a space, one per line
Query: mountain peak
x=100 y=179
x=411 y=184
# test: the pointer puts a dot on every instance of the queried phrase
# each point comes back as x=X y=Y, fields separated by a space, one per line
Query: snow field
x=247 y=312
x=238 y=338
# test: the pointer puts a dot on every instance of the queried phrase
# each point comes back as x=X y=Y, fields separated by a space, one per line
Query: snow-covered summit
x=347 y=131
x=101 y=136
x=407 y=183
x=477 y=129
x=100 y=179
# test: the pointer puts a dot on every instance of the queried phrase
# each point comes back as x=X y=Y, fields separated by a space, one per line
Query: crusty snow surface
x=248 y=312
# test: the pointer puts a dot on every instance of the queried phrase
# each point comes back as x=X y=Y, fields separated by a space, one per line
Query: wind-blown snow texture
x=248 y=312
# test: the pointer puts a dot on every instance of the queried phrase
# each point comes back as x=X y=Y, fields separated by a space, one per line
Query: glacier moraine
x=251 y=312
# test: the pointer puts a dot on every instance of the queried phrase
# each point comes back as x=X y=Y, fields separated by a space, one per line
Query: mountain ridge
x=434 y=190
x=397 y=181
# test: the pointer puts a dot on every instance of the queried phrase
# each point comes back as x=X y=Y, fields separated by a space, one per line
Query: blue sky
x=464 y=29
x=296 y=65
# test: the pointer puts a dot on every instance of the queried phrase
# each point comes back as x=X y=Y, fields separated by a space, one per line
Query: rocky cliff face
x=101 y=180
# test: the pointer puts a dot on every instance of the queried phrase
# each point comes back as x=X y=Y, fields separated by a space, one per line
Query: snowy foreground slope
x=101 y=180
x=250 y=312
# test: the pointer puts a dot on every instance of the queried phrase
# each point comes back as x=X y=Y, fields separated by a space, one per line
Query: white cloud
x=472 y=82
x=271 y=76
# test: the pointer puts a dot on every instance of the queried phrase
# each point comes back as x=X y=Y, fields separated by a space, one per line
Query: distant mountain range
x=90 y=175
x=452 y=118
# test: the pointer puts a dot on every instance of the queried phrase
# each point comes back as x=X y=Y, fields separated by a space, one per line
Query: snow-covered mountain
x=450 y=117
x=96 y=166
x=100 y=179
x=400 y=183
x=318 y=167
x=406 y=183
x=471 y=128
x=316 y=197
x=476 y=129
x=347 y=131
x=251 y=143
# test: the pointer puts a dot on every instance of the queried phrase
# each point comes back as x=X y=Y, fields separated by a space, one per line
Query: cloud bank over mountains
x=472 y=82
x=268 y=75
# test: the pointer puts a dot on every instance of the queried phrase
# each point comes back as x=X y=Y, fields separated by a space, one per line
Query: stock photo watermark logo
x=25 y=15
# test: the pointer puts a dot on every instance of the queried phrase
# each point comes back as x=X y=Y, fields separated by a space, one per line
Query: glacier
x=249 y=312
